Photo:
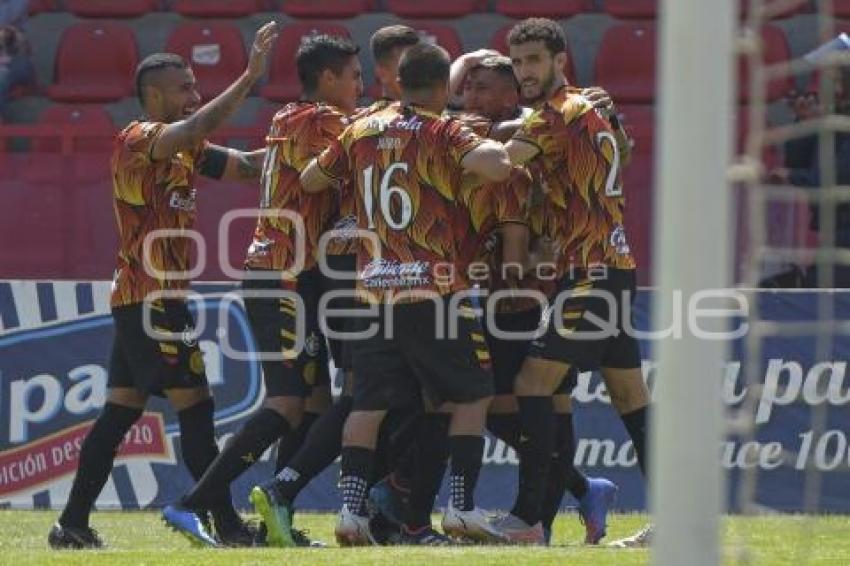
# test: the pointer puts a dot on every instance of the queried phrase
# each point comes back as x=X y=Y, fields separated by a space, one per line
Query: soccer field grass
x=140 y=538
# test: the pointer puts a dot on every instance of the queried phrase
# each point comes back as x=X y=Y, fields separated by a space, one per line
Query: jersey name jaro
x=293 y=219
x=151 y=196
x=583 y=202
x=405 y=163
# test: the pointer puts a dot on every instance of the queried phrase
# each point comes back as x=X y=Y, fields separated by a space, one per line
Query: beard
x=545 y=88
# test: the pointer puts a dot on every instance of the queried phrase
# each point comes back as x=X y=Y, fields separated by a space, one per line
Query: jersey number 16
x=385 y=197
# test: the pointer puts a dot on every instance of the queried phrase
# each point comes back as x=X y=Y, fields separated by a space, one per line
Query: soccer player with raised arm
x=154 y=164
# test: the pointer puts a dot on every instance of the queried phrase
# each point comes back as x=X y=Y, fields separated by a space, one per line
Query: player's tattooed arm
x=231 y=164
x=189 y=133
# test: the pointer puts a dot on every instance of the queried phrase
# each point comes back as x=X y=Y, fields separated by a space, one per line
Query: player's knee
x=127 y=397
x=290 y=408
x=503 y=405
x=182 y=399
x=361 y=428
x=562 y=404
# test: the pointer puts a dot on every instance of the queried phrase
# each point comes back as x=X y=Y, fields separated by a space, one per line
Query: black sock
x=563 y=475
x=245 y=448
x=466 y=453
x=96 y=457
x=291 y=443
x=535 y=452
x=355 y=471
x=636 y=426
x=505 y=427
x=320 y=449
x=430 y=455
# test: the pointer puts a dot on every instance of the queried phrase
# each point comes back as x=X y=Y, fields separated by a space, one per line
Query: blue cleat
x=188 y=524
x=388 y=500
x=593 y=508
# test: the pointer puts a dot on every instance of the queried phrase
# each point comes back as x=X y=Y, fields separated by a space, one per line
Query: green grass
x=140 y=538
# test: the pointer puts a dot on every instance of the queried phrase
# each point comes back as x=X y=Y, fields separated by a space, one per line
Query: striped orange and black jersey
x=406 y=167
x=583 y=202
x=298 y=133
x=151 y=196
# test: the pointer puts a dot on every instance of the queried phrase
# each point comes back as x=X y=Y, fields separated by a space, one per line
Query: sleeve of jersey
x=535 y=130
x=334 y=160
x=139 y=142
x=462 y=140
x=134 y=158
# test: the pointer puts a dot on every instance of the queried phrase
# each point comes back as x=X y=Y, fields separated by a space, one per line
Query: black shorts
x=153 y=364
x=340 y=350
x=289 y=371
x=508 y=354
x=573 y=339
x=391 y=369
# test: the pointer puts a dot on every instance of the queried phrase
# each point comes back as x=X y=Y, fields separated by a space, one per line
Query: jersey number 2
x=612 y=188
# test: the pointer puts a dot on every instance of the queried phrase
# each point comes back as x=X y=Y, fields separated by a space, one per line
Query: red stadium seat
x=96 y=128
x=215 y=51
x=95 y=63
x=38 y=6
x=218 y=8
x=541 y=8
x=442 y=34
x=638 y=188
x=499 y=42
x=632 y=9
x=110 y=8
x=639 y=122
x=625 y=63
x=841 y=8
x=327 y=8
x=776 y=50
x=435 y=8
x=283 y=82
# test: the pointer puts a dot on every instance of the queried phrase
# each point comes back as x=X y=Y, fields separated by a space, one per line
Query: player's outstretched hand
x=599 y=98
x=263 y=42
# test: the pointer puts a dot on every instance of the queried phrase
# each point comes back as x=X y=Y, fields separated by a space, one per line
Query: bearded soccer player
x=409 y=163
x=153 y=169
x=275 y=287
x=491 y=91
x=582 y=216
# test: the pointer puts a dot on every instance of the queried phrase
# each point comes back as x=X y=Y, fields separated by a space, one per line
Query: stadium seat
x=639 y=122
x=776 y=50
x=442 y=34
x=96 y=134
x=499 y=42
x=625 y=63
x=841 y=8
x=541 y=8
x=95 y=63
x=218 y=8
x=327 y=8
x=215 y=51
x=632 y=9
x=283 y=83
x=638 y=188
x=110 y=8
x=39 y=6
x=434 y=8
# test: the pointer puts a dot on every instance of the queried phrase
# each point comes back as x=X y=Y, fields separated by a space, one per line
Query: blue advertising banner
x=55 y=340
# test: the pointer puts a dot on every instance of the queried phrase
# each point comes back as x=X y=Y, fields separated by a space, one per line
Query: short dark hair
x=500 y=65
x=388 y=38
x=320 y=52
x=154 y=63
x=423 y=67
x=539 y=29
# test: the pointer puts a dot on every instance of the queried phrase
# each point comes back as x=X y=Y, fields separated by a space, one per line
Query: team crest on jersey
x=618 y=240
x=312 y=345
x=188 y=336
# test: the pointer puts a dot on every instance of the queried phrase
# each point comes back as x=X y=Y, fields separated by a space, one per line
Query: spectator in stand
x=15 y=65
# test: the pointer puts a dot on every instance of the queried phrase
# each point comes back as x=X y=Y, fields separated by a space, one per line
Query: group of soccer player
x=402 y=240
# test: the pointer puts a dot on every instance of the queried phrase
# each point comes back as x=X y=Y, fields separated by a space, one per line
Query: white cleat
x=353 y=530
x=518 y=531
x=642 y=539
x=474 y=525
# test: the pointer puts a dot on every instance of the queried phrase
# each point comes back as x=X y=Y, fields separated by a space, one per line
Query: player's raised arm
x=460 y=68
x=197 y=126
